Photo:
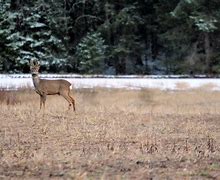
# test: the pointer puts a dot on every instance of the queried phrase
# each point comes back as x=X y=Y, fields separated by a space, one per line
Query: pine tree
x=90 y=54
x=7 y=52
x=28 y=33
x=198 y=21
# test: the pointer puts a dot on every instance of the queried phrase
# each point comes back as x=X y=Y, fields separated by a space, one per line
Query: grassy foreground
x=114 y=134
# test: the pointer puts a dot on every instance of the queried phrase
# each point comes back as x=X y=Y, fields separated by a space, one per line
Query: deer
x=45 y=87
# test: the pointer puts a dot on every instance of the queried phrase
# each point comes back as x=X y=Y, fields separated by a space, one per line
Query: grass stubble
x=115 y=134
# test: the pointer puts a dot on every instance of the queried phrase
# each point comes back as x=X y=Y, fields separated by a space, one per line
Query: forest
x=111 y=37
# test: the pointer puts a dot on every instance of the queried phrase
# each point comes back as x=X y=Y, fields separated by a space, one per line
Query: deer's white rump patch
x=71 y=87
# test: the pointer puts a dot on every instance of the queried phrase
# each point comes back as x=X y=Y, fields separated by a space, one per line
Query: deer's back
x=54 y=86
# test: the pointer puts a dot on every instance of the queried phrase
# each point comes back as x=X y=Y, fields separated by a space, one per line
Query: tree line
x=111 y=37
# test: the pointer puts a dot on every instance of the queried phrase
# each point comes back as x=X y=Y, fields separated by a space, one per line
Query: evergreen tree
x=90 y=53
x=196 y=23
x=29 y=35
x=133 y=37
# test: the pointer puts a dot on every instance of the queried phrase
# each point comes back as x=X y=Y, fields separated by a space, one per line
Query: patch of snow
x=26 y=53
x=38 y=25
x=17 y=81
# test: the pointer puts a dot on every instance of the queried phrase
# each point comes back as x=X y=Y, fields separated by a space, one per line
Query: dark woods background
x=111 y=36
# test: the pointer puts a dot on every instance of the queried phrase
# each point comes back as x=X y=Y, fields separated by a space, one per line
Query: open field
x=115 y=134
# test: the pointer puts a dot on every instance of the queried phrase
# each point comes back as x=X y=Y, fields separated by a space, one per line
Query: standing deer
x=45 y=87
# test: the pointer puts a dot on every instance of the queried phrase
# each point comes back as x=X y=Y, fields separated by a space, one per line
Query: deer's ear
x=37 y=63
x=31 y=62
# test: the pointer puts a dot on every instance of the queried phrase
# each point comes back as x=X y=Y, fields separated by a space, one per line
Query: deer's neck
x=36 y=81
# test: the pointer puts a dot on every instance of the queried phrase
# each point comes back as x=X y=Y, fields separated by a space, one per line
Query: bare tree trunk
x=107 y=21
x=208 y=53
x=66 y=8
x=192 y=58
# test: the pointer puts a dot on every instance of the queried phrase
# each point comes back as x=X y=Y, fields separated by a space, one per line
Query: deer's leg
x=44 y=99
x=73 y=102
x=41 y=101
x=66 y=96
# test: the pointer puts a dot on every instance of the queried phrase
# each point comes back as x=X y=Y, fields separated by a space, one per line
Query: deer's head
x=34 y=67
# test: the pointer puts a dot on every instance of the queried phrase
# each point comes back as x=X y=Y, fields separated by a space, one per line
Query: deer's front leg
x=44 y=99
x=41 y=101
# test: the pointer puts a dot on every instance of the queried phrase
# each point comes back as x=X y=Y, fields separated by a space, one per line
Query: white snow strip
x=14 y=82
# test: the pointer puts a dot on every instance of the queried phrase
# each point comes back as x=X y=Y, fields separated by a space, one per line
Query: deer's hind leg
x=72 y=100
x=66 y=96
x=41 y=101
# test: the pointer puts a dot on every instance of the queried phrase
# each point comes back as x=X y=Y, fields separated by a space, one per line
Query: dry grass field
x=114 y=134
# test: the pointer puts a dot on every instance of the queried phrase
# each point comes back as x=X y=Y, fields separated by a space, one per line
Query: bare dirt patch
x=115 y=134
